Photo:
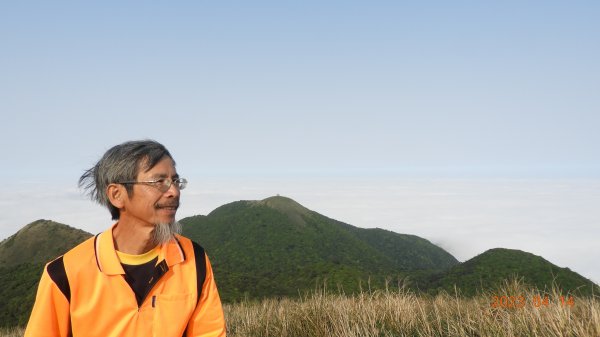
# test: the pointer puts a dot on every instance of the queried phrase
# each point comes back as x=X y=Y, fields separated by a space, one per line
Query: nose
x=173 y=191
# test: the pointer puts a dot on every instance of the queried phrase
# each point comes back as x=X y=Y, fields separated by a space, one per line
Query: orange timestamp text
x=537 y=301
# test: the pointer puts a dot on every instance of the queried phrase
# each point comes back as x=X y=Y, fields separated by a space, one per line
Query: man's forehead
x=145 y=167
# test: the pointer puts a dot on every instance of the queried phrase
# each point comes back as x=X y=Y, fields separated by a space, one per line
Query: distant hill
x=489 y=270
x=40 y=241
x=22 y=258
x=276 y=247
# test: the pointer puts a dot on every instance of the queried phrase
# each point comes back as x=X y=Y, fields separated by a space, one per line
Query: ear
x=117 y=195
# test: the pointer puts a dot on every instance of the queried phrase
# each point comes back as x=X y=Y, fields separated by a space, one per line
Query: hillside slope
x=22 y=258
x=489 y=270
x=39 y=242
x=276 y=247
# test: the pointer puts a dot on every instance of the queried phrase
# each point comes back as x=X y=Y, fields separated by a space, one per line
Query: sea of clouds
x=558 y=219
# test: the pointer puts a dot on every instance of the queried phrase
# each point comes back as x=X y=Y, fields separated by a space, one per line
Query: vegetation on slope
x=489 y=269
x=39 y=241
x=22 y=259
x=276 y=247
x=19 y=285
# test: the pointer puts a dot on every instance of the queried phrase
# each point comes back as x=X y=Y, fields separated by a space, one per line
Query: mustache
x=168 y=204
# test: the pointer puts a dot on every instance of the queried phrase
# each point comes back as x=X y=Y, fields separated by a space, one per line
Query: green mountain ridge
x=491 y=268
x=39 y=241
x=22 y=258
x=276 y=247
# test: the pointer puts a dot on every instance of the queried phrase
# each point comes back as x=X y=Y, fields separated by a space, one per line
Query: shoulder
x=80 y=256
x=57 y=269
x=82 y=250
x=85 y=248
x=189 y=246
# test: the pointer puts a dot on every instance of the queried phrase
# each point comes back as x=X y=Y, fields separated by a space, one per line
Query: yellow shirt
x=135 y=260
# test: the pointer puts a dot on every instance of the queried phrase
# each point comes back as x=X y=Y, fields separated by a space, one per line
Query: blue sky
x=304 y=94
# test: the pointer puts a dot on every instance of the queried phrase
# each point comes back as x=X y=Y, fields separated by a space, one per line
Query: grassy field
x=402 y=313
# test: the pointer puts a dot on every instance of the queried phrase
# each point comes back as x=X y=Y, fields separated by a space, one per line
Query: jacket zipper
x=160 y=270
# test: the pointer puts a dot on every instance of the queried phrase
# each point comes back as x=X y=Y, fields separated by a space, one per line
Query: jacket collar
x=109 y=263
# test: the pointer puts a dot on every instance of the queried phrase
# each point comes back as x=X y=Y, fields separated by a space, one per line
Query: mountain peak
x=31 y=229
x=38 y=241
x=39 y=223
x=292 y=209
x=284 y=204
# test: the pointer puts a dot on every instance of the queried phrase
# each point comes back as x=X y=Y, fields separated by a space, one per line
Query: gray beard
x=165 y=232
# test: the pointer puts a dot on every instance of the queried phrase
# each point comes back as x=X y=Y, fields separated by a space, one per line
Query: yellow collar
x=136 y=260
x=108 y=260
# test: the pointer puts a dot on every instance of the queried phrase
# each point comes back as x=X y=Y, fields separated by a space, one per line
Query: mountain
x=39 y=241
x=490 y=269
x=22 y=259
x=277 y=247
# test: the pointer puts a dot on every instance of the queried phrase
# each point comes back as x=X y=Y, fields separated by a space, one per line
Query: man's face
x=148 y=206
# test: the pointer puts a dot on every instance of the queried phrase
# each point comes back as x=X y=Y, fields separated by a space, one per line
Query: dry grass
x=12 y=332
x=403 y=313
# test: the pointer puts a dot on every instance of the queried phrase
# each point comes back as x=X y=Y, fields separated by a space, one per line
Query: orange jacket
x=102 y=303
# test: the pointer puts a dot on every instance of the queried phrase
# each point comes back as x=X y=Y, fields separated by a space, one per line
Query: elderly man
x=139 y=277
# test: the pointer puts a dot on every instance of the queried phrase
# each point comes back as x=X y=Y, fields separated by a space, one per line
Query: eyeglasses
x=163 y=184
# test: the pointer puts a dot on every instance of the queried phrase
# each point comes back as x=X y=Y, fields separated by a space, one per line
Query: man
x=140 y=277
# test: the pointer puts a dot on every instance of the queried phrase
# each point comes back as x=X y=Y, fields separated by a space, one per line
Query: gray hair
x=122 y=162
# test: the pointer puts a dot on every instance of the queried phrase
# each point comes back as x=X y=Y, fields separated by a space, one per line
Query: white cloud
x=557 y=219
